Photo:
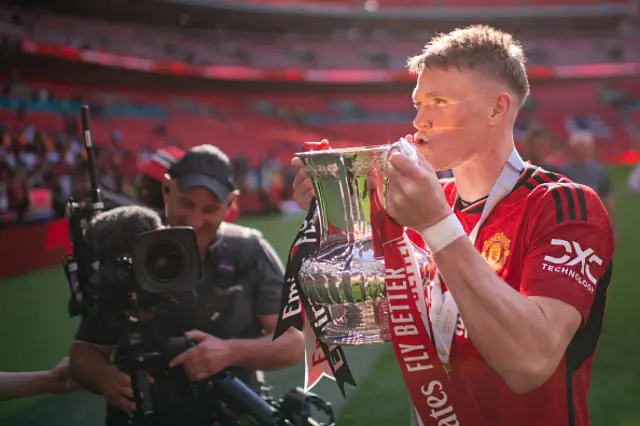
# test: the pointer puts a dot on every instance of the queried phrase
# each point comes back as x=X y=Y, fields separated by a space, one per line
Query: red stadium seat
x=268 y=51
x=247 y=132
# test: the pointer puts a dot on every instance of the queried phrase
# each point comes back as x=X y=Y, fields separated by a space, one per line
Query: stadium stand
x=345 y=51
x=261 y=129
x=375 y=4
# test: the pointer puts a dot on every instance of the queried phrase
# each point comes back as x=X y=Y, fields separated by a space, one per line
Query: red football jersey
x=549 y=237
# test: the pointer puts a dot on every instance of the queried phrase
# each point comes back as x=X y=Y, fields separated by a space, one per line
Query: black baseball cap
x=206 y=166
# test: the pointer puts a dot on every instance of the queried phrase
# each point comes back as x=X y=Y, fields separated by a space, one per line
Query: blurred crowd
x=40 y=169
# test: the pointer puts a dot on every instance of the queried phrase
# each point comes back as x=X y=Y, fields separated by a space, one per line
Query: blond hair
x=486 y=50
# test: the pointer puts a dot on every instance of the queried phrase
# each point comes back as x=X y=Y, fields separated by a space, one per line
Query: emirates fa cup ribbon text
x=402 y=286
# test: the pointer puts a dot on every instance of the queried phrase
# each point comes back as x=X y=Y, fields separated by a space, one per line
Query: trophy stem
x=360 y=323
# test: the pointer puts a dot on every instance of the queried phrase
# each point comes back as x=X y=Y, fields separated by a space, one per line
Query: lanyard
x=444 y=311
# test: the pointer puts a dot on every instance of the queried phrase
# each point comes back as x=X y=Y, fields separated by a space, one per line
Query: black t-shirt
x=242 y=280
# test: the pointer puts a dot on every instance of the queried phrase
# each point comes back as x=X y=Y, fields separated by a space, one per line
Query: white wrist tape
x=443 y=233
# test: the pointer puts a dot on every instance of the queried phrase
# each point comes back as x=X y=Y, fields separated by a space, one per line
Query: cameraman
x=151 y=174
x=238 y=302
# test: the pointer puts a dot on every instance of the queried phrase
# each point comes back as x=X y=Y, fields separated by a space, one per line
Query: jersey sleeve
x=268 y=275
x=570 y=246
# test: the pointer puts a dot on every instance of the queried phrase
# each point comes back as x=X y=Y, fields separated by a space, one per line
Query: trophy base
x=360 y=324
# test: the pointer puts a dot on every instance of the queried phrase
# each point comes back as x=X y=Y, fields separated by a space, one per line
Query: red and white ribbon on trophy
x=424 y=374
x=422 y=330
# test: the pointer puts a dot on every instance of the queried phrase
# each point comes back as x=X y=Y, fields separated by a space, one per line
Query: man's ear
x=501 y=108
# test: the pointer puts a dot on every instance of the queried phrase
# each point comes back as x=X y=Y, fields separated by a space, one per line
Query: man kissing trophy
x=507 y=330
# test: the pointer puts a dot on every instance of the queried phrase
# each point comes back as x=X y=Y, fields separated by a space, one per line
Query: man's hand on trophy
x=415 y=198
x=210 y=356
x=302 y=188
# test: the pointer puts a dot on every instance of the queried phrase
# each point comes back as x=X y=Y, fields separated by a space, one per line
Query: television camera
x=162 y=268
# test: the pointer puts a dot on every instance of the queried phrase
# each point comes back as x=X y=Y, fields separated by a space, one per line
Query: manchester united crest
x=496 y=250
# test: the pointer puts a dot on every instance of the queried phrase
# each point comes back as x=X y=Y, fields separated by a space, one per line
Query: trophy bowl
x=347 y=272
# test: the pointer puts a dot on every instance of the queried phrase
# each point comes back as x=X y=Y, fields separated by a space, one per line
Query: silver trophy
x=346 y=274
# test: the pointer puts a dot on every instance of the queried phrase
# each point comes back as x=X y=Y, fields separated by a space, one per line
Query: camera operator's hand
x=116 y=388
x=210 y=356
